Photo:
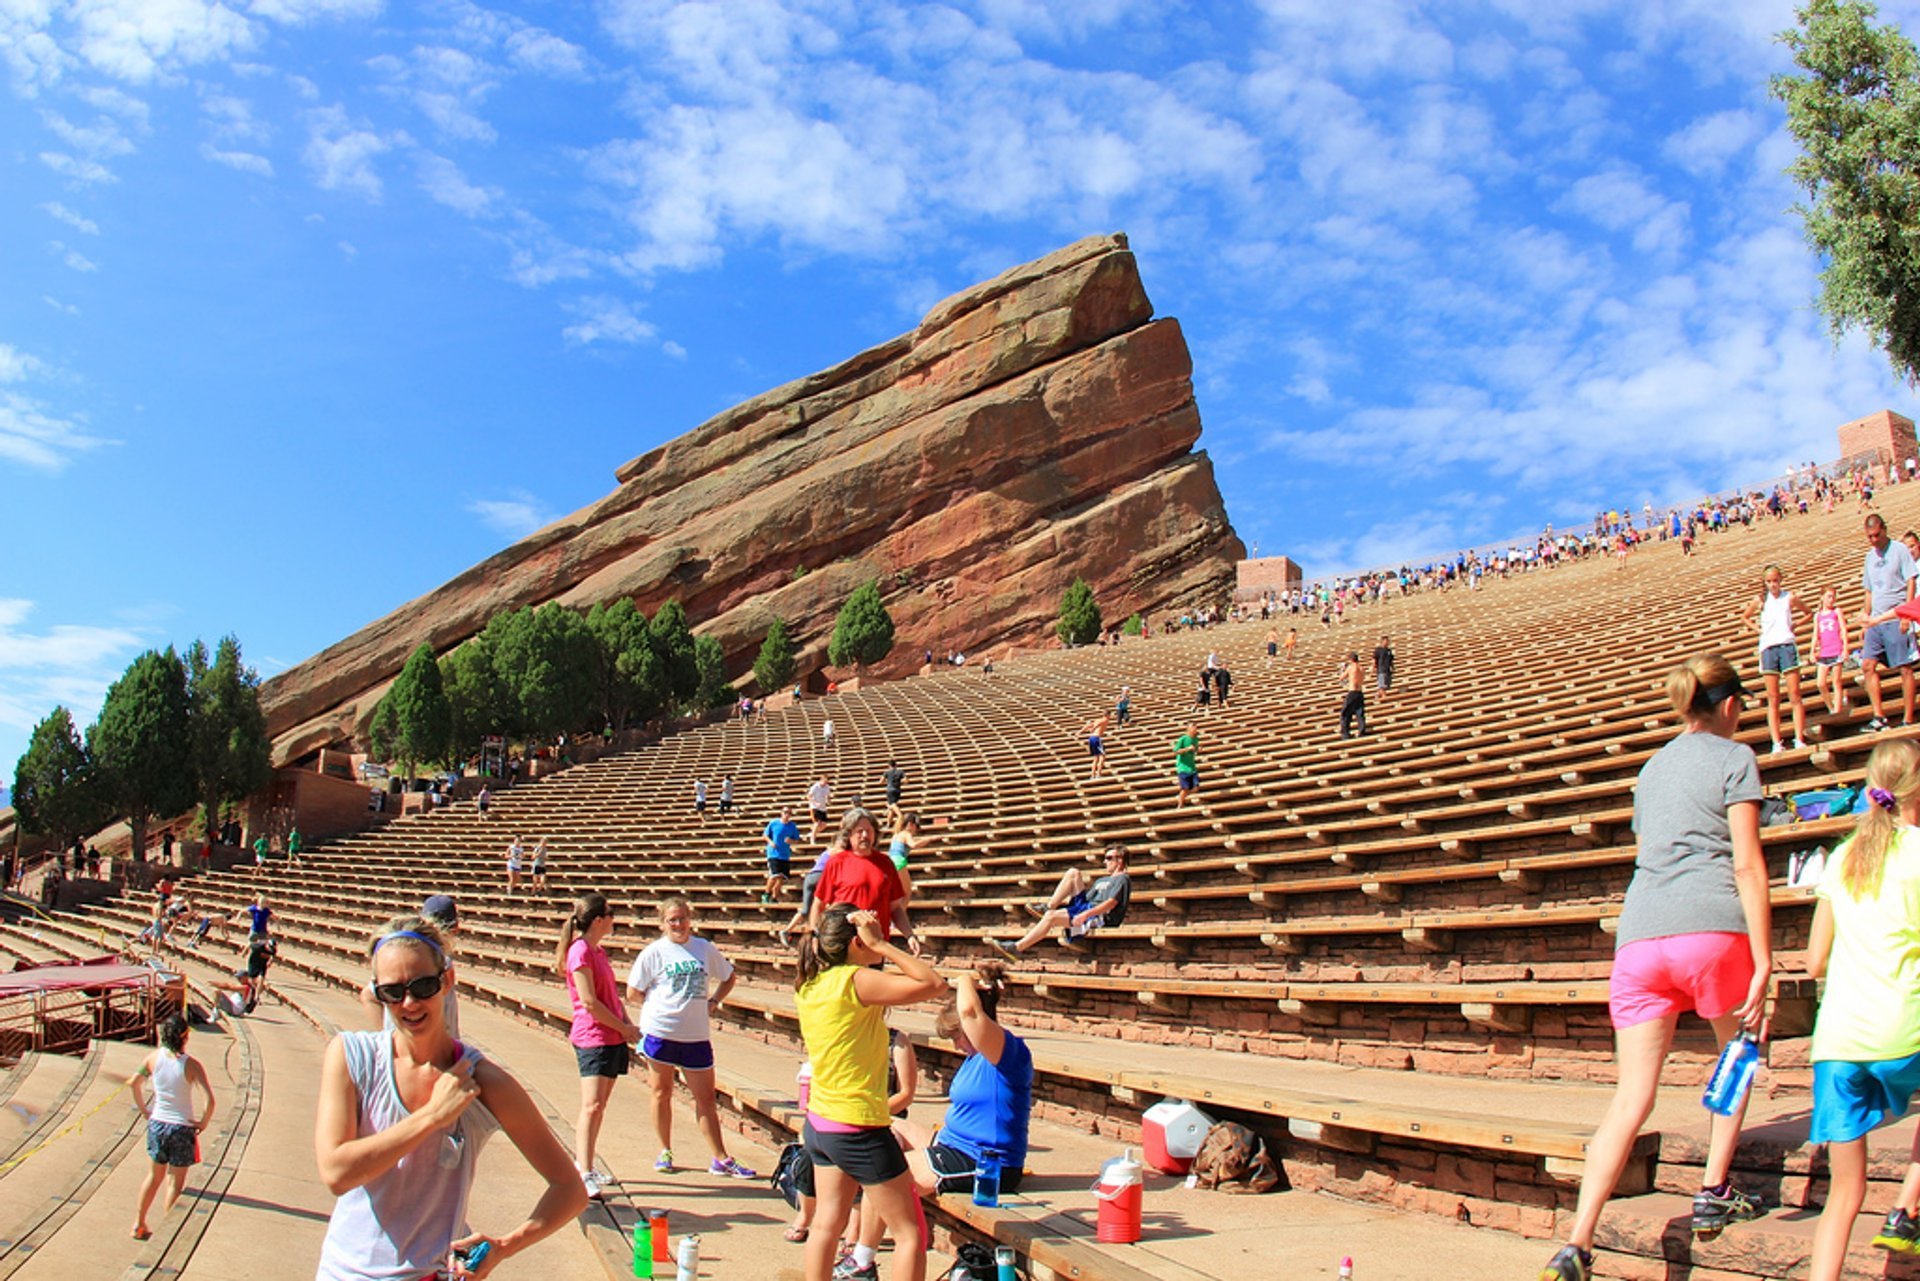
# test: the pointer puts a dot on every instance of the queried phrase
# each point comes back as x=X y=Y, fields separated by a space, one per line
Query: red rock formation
x=1033 y=428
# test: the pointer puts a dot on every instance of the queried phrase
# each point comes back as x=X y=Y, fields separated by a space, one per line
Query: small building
x=1255 y=579
x=1884 y=437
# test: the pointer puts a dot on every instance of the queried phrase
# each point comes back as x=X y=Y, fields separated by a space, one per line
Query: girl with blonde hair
x=1695 y=933
x=1866 y=1043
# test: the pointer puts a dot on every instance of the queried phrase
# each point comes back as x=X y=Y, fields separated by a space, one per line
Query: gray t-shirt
x=1885 y=576
x=1683 y=874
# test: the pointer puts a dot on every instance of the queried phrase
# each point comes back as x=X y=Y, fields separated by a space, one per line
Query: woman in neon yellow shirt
x=848 y=1131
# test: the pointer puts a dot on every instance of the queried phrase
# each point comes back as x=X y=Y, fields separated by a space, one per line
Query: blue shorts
x=1780 y=658
x=1188 y=781
x=694 y=1056
x=1093 y=745
x=1849 y=1099
x=1885 y=643
x=172 y=1144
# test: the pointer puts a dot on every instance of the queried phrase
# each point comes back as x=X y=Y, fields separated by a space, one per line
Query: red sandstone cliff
x=1033 y=428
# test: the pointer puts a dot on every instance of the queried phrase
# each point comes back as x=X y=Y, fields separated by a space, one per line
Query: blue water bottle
x=986 y=1178
x=1004 y=1267
x=1732 y=1075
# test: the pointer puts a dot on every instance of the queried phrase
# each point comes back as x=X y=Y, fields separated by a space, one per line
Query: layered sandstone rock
x=1034 y=428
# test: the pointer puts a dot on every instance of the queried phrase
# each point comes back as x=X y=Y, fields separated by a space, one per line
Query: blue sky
x=310 y=304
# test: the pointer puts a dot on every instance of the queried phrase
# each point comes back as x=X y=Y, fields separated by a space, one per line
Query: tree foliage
x=55 y=790
x=775 y=665
x=544 y=660
x=476 y=703
x=1134 y=625
x=1080 y=621
x=232 y=756
x=419 y=718
x=142 y=744
x=711 y=661
x=673 y=648
x=1855 y=112
x=628 y=680
x=863 y=630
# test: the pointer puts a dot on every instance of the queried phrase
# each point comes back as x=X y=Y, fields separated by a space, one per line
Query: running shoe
x=1570 y=1264
x=847 y=1270
x=1877 y=724
x=1035 y=910
x=785 y=941
x=1002 y=948
x=730 y=1168
x=1900 y=1233
x=1777 y=748
x=594 y=1187
x=1799 y=744
x=1713 y=1211
x=664 y=1162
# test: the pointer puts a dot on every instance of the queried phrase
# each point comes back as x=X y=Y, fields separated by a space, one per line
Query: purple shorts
x=694 y=1056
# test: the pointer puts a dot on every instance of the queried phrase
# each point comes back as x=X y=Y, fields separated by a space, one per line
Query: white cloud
x=341 y=155
x=673 y=349
x=84 y=171
x=1619 y=199
x=65 y=308
x=60 y=213
x=139 y=40
x=1709 y=143
x=296 y=12
x=231 y=120
x=441 y=179
x=516 y=515
x=67 y=665
x=603 y=319
x=102 y=139
x=546 y=53
x=74 y=259
x=244 y=161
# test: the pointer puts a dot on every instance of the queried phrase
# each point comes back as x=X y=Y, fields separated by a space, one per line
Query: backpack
x=1235 y=1156
x=792 y=1175
x=972 y=1262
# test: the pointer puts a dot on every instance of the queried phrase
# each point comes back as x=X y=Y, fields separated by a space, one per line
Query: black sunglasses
x=424 y=988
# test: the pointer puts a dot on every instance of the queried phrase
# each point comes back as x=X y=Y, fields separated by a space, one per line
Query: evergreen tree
x=1856 y=114
x=55 y=790
x=232 y=758
x=420 y=717
x=545 y=662
x=863 y=631
x=775 y=665
x=711 y=661
x=142 y=744
x=673 y=648
x=476 y=702
x=627 y=673
x=1080 y=621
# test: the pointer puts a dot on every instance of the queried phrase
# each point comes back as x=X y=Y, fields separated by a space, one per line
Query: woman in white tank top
x=403 y=1113
x=1780 y=614
x=173 y=1132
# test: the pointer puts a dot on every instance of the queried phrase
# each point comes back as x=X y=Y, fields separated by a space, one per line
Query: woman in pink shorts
x=1695 y=934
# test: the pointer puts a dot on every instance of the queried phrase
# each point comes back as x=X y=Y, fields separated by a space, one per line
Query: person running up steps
x=819 y=797
x=1383 y=665
x=1695 y=933
x=1887 y=576
x=670 y=981
x=781 y=833
x=1095 y=733
x=1186 y=764
x=1866 y=1042
x=1353 y=709
x=1080 y=904
x=1780 y=613
x=173 y=1132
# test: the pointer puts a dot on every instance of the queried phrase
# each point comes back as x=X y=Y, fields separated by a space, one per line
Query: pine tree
x=232 y=757
x=863 y=631
x=1080 y=621
x=775 y=665
x=142 y=744
x=55 y=789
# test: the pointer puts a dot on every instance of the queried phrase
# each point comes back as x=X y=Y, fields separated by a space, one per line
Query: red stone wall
x=1886 y=435
x=1255 y=578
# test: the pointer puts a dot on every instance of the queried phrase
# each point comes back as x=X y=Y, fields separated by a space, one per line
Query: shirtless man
x=1354 y=708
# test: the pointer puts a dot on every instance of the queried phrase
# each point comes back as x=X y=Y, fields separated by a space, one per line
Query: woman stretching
x=847 y=1132
x=402 y=1116
x=173 y=1135
x=989 y=1100
x=670 y=981
x=600 y=1033
x=1695 y=934
x=1866 y=1042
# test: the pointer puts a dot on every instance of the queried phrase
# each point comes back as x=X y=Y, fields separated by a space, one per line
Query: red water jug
x=1118 y=1192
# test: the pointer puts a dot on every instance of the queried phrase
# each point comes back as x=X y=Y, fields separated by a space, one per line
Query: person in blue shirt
x=989 y=1101
x=781 y=833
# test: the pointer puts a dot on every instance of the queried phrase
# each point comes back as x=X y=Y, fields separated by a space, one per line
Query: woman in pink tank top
x=1830 y=652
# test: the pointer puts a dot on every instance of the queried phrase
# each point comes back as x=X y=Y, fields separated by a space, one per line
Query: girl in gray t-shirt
x=1695 y=933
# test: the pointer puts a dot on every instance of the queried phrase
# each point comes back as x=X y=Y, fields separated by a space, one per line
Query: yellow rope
x=78 y=1124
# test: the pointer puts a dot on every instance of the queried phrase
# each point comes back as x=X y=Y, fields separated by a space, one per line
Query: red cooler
x=1172 y=1132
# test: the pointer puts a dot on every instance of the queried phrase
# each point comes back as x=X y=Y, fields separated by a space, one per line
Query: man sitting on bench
x=1079 y=907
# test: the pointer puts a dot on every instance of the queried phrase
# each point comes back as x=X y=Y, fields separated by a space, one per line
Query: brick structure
x=1886 y=435
x=1255 y=578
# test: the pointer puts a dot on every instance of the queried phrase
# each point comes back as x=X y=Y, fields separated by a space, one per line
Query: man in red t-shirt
x=858 y=874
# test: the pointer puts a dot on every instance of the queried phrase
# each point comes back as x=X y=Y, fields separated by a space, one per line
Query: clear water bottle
x=688 y=1264
x=1732 y=1075
x=986 y=1178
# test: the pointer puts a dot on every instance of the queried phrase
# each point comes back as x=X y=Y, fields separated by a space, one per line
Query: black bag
x=793 y=1174
x=972 y=1262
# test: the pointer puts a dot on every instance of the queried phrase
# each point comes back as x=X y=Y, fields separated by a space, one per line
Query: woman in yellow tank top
x=848 y=1130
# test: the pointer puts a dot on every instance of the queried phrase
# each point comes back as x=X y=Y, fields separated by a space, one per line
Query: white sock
x=863 y=1255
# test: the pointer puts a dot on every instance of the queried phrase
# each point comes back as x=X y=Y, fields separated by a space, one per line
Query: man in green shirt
x=293 y=845
x=260 y=852
x=1186 y=764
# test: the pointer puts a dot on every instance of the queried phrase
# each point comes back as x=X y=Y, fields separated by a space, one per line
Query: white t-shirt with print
x=676 y=981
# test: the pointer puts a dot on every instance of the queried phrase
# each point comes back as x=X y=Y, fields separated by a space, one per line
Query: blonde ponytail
x=1893 y=779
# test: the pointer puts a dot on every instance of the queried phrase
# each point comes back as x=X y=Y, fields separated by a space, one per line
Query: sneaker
x=664 y=1162
x=786 y=943
x=594 y=1187
x=1570 y=1264
x=1777 y=748
x=1713 y=1211
x=846 y=1270
x=1034 y=910
x=1004 y=949
x=729 y=1168
x=1877 y=724
x=1799 y=744
x=1900 y=1233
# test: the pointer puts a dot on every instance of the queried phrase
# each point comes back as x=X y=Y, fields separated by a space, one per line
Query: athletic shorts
x=868 y=1157
x=171 y=1144
x=1886 y=643
x=954 y=1169
x=820 y=816
x=1707 y=973
x=1188 y=781
x=779 y=867
x=695 y=1056
x=1830 y=662
x=1094 y=747
x=1780 y=658
x=700 y=807
x=602 y=1060
x=808 y=884
x=1849 y=1099
x=1272 y=649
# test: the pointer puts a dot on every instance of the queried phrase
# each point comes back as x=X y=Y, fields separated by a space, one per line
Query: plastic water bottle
x=689 y=1265
x=642 y=1247
x=1732 y=1075
x=1004 y=1264
x=1346 y=1269
x=986 y=1178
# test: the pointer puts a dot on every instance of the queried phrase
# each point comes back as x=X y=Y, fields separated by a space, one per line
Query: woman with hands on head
x=403 y=1113
x=841 y=1002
